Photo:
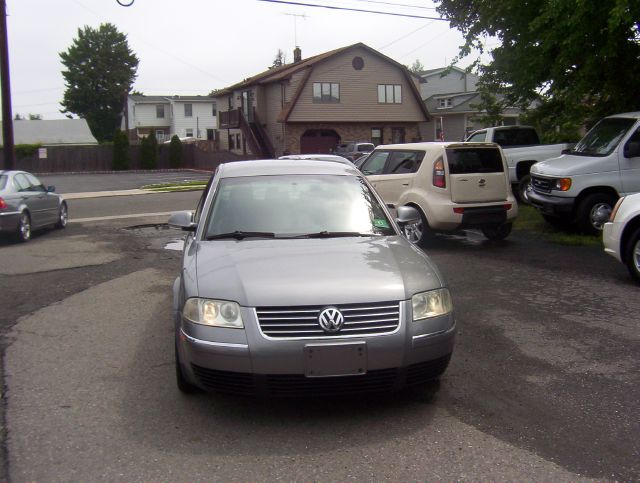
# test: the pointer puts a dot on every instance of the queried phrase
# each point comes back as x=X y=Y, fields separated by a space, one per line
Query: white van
x=584 y=184
x=453 y=186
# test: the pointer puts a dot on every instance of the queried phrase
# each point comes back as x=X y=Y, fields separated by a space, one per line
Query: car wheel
x=632 y=258
x=594 y=211
x=418 y=232
x=23 y=234
x=524 y=188
x=496 y=233
x=183 y=384
x=63 y=216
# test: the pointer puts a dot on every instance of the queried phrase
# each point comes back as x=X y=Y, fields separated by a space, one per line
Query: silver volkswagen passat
x=297 y=281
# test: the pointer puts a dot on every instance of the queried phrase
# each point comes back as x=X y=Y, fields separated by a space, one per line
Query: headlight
x=431 y=304
x=215 y=313
x=563 y=184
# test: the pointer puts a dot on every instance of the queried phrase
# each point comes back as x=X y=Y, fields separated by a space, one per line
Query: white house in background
x=451 y=97
x=55 y=132
x=186 y=116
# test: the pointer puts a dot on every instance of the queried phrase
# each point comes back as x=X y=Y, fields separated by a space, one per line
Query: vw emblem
x=331 y=320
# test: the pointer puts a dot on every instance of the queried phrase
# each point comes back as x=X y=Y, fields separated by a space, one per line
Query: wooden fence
x=73 y=159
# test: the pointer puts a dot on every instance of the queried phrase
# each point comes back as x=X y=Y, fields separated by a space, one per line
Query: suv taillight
x=3 y=204
x=439 y=179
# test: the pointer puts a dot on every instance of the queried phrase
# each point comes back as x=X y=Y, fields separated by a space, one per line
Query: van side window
x=375 y=163
x=403 y=162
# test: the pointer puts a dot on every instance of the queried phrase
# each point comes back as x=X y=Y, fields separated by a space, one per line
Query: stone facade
x=348 y=132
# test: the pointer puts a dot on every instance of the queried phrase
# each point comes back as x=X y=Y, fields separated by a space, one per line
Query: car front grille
x=298 y=385
x=302 y=322
x=542 y=185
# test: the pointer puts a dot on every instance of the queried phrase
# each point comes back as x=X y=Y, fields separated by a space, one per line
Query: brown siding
x=358 y=92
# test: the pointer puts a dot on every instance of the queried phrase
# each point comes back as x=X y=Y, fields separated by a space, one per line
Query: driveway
x=543 y=384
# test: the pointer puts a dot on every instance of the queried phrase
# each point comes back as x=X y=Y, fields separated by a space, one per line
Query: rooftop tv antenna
x=295 y=25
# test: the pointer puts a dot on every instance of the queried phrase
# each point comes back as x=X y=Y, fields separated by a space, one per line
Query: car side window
x=403 y=162
x=35 y=184
x=478 y=137
x=21 y=182
x=635 y=137
x=375 y=163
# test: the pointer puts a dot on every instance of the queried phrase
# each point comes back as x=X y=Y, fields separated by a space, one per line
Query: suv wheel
x=633 y=255
x=499 y=232
x=593 y=212
x=418 y=232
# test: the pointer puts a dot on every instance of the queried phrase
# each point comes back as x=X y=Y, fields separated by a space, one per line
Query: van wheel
x=23 y=233
x=419 y=232
x=524 y=188
x=496 y=233
x=632 y=259
x=594 y=211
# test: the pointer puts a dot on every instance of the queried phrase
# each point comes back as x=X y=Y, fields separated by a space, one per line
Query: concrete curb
x=104 y=194
x=131 y=171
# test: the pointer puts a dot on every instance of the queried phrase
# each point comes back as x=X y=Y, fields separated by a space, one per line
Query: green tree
x=571 y=57
x=99 y=70
x=149 y=152
x=416 y=67
x=121 y=158
x=175 y=152
x=279 y=60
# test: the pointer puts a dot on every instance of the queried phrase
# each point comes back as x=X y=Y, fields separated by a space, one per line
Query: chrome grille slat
x=301 y=322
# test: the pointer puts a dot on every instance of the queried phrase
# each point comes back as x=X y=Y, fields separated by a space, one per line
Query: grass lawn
x=530 y=220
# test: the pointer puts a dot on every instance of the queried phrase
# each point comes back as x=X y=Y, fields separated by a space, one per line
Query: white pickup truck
x=584 y=184
x=522 y=148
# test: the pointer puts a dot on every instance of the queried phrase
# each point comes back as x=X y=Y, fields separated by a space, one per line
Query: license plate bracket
x=335 y=359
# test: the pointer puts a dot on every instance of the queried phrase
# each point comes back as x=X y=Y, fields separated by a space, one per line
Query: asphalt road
x=543 y=384
x=83 y=183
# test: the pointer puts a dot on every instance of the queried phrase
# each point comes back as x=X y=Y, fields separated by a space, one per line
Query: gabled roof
x=142 y=99
x=429 y=72
x=285 y=71
x=466 y=105
x=56 y=131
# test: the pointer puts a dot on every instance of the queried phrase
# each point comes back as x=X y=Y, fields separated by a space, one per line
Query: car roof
x=429 y=146
x=635 y=115
x=318 y=157
x=272 y=167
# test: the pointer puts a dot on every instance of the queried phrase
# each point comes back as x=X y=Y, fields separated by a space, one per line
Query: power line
x=332 y=7
x=405 y=36
x=396 y=4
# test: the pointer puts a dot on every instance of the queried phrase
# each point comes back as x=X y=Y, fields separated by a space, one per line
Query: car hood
x=568 y=165
x=258 y=273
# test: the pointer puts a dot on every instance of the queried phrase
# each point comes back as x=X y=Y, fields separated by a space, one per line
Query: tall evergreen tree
x=100 y=69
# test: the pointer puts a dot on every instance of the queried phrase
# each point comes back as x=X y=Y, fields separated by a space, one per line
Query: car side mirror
x=183 y=220
x=51 y=189
x=632 y=149
x=406 y=215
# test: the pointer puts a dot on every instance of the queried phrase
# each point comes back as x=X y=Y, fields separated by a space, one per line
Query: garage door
x=319 y=141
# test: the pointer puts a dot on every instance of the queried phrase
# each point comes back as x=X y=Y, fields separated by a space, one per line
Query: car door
x=25 y=196
x=48 y=201
x=630 y=167
x=398 y=175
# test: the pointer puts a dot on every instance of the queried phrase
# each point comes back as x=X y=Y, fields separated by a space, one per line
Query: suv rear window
x=474 y=160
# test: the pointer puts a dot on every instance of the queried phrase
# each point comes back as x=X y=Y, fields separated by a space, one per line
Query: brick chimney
x=297 y=54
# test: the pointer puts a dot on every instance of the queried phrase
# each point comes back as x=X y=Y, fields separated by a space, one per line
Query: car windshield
x=3 y=181
x=296 y=205
x=603 y=138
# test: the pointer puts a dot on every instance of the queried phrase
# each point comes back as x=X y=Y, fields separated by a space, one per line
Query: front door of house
x=247 y=105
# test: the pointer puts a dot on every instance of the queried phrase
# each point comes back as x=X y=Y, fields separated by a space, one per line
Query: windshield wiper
x=333 y=234
x=239 y=235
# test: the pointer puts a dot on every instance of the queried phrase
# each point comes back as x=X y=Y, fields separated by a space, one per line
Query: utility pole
x=7 y=115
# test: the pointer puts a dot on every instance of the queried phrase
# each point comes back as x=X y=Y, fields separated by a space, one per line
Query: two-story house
x=186 y=116
x=353 y=93
x=451 y=97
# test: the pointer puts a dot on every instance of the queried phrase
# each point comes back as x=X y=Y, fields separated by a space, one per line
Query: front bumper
x=552 y=205
x=611 y=238
x=246 y=362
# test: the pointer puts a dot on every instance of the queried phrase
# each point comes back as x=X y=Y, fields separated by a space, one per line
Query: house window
x=376 y=136
x=188 y=110
x=160 y=111
x=189 y=133
x=210 y=134
x=397 y=135
x=326 y=92
x=213 y=109
x=445 y=103
x=160 y=135
x=389 y=93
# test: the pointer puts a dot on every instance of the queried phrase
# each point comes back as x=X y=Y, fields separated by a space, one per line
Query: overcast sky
x=190 y=47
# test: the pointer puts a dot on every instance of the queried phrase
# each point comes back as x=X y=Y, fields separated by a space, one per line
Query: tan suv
x=453 y=185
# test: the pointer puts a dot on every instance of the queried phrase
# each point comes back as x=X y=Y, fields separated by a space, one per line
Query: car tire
x=63 y=216
x=496 y=233
x=524 y=187
x=632 y=255
x=183 y=384
x=418 y=233
x=23 y=232
x=593 y=212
